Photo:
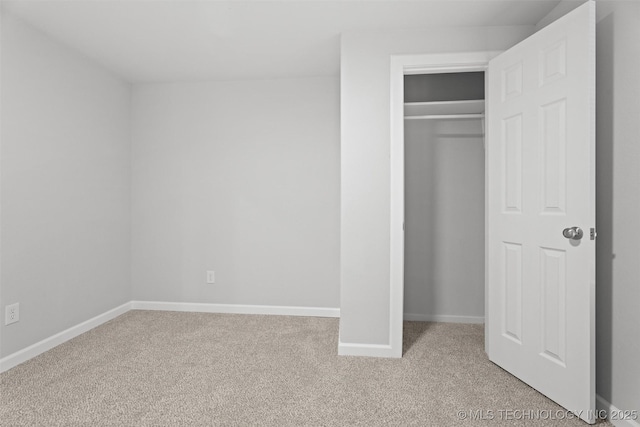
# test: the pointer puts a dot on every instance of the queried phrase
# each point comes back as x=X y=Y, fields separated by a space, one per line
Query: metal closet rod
x=446 y=116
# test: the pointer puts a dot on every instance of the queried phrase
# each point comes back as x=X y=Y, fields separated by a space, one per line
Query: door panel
x=541 y=180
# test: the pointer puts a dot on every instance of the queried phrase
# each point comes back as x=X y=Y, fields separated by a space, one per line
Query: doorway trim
x=402 y=65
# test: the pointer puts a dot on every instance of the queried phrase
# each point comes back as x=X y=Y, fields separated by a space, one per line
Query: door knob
x=573 y=233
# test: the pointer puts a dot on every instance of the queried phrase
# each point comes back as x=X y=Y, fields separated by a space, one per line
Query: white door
x=541 y=181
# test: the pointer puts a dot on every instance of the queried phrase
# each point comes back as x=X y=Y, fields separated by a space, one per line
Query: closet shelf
x=446 y=117
x=441 y=109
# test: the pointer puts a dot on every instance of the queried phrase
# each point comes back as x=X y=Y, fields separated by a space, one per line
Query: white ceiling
x=177 y=40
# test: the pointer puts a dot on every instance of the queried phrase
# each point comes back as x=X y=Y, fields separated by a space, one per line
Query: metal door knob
x=573 y=233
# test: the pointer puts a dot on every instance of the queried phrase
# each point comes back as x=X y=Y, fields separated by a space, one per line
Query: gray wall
x=239 y=177
x=365 y=149
x=65 y=173
x=444 y=219
x=618 y=204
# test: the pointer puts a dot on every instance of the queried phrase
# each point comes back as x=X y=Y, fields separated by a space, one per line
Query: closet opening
x=446 y=157
x=444 y=197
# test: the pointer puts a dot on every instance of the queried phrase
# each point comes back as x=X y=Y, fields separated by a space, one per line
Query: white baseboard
x=603 y=405
x=46 y=344
x=414 y=317
x=369 y=350
x=236 y=308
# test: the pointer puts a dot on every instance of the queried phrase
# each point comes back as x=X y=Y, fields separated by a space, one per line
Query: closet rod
x=446 y=116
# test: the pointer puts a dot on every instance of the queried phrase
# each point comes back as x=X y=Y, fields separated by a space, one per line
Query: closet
x=444 y=197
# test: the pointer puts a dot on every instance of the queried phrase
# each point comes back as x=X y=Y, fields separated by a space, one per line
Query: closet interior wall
x=444 y=201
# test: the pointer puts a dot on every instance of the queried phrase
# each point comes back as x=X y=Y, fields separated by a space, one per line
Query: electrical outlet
x=11 y=313
x=211 y=277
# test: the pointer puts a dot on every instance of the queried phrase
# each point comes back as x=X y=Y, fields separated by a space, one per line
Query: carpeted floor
x=150 y=368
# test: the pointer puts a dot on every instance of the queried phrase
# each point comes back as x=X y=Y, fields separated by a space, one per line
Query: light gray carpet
x=171 y=369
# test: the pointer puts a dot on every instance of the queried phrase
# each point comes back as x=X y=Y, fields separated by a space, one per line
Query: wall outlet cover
x=211 y=277
x=11 y=313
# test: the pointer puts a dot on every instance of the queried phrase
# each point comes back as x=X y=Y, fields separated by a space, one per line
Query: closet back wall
x=239 y=177
x=444 y=220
